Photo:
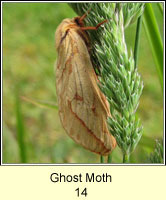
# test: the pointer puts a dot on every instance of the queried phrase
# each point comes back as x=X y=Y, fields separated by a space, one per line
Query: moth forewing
x=83 y=108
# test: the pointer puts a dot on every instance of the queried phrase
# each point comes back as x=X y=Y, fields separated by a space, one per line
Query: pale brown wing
x=83 y=108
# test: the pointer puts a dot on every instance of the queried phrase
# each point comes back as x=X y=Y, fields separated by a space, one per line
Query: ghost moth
x=83 y=108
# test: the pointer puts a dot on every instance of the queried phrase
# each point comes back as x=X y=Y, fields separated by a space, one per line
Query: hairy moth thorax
x=83 y=108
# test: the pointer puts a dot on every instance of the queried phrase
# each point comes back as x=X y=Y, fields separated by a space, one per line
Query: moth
x=83 y=108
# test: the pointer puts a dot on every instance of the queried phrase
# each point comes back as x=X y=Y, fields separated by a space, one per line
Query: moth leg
x=94 y=27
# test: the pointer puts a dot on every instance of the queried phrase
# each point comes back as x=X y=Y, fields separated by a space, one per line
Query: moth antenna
x=84 y=15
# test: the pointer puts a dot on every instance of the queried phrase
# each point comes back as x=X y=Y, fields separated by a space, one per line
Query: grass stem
x=102 y=159
x=109 y=158
x=126 y=158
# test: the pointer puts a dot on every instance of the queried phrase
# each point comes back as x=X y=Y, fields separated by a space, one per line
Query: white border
x=86 y=164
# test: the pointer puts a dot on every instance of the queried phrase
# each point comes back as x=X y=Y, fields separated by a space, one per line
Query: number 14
x=83 y=193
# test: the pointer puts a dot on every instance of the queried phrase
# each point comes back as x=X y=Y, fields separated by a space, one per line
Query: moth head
x=78 y=21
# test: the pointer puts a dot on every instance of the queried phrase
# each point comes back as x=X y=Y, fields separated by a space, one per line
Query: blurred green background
x=33 y=134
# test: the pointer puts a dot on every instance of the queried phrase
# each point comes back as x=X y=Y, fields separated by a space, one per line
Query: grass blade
x=42 y=104
x=160 y=6
x=137 y=39
x=20 y=128
x=154 y=38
